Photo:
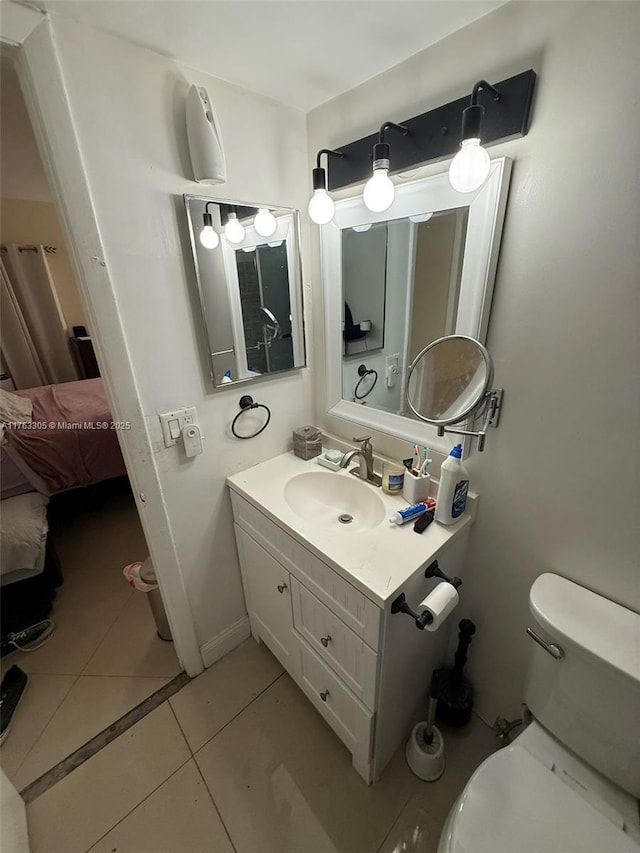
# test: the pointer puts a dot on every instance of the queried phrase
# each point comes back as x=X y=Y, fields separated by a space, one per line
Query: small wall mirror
x=247 y=262
x=450 y=382
x=395 y=282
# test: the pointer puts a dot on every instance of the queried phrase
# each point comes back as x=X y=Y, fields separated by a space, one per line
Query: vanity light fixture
x=208 y=236
x=469 y=169
x=321 y=205
x=234 y=229
x=265 y=222
x=379 y=190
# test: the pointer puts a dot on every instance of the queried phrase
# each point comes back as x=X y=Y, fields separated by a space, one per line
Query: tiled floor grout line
x=106 y=634
x=204 y=781
x=95 y=744
x=46 y=725
x=394 y=820
x=144 y=799
x=241 y=711
x=215 y=806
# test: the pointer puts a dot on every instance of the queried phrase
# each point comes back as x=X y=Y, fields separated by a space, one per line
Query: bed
x=69 y=441
x=23 y=537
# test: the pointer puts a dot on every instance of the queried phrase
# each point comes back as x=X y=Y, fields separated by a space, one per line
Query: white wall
x=559 y=479
x=127 y=105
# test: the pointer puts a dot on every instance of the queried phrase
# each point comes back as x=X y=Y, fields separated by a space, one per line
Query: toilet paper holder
x=400 y=605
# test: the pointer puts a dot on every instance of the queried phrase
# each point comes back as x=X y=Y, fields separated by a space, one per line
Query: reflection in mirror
x=401 y=281
x=364 y=276
x=448 y=379
x=248 y=269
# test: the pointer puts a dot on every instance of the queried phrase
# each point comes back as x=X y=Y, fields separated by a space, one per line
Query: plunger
x=455 y=691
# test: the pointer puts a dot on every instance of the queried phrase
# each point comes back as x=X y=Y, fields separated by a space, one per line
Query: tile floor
x=239 y=761
x=104 y=657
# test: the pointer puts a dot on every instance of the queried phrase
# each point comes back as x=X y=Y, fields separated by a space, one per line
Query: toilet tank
x=590 y=698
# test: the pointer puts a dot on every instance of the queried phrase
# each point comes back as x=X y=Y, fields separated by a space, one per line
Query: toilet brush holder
x=426 y=759
x=425 y=747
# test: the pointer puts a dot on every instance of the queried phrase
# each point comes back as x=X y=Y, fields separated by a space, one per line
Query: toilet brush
x=455 y=692
x=425 y=747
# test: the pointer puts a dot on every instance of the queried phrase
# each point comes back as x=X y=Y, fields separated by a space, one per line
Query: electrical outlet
x=174 y=422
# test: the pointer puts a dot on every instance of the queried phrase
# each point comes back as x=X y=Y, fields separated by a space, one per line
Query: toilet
x=570 y=782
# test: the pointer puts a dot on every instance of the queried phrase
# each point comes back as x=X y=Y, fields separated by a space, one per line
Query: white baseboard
x=231 y=637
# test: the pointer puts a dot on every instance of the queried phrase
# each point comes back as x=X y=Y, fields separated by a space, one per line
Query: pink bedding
x=71 y=441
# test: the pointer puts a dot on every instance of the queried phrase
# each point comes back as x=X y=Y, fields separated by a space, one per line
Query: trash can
x=142 y=577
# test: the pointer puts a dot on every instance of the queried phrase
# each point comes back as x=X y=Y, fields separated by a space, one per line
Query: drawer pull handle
x=325 y=640
x=324 y=695
x=281 y=588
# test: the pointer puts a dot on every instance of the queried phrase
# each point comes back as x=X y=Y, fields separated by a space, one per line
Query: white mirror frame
x=487 y=207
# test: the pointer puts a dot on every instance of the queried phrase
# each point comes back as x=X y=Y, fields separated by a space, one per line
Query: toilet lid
x=514 y=803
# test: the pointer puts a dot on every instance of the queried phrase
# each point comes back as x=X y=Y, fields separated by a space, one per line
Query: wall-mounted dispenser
x=205 y=138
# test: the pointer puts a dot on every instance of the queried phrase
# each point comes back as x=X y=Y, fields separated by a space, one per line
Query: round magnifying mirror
x=449 y=379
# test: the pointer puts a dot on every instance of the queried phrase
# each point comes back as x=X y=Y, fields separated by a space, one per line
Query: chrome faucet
x=365 y=468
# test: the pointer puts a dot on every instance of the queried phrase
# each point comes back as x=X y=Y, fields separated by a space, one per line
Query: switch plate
x=392 y=369
x=173 y=423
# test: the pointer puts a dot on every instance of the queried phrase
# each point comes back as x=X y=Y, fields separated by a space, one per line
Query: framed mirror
x=247 y=262
x=396 y=281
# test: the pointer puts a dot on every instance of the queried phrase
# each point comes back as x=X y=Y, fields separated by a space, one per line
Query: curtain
x=33 y=337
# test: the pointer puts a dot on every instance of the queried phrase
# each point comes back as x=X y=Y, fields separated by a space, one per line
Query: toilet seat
x=514 y=803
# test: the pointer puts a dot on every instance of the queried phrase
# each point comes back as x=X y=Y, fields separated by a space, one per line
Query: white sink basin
x=333 y=500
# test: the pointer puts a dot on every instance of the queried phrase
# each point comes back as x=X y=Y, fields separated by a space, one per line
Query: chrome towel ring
x=246 y=404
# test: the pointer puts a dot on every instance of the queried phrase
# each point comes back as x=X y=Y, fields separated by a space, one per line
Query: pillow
x=15 y=409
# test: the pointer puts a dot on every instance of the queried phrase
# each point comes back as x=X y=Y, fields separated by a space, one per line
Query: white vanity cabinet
x=365 y=670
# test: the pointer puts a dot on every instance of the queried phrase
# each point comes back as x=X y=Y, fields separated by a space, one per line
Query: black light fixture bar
x=435 y=135
x=319 y=174
x=241 y=211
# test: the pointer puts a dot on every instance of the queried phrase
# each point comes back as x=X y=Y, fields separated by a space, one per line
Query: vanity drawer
x=350 y=720
x=335 y=643
x=357 y=611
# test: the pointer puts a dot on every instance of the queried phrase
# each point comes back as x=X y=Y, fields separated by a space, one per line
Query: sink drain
x=345 y=518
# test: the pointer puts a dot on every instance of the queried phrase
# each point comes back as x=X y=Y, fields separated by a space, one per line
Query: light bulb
x=234 y=229
x=265 y=222
x=360 y=228
x=469 y=169
x=379 y=191
x=209 y=237
x=321 y=207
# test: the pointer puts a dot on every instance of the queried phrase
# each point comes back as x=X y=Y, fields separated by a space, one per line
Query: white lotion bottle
x=453 y=488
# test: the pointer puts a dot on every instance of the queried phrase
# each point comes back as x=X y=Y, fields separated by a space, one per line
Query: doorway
x=86 y=640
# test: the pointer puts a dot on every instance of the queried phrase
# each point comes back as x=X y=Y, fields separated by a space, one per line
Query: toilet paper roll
x=440 y=604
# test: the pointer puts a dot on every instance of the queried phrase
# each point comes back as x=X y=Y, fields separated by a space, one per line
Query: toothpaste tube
x=412 y=512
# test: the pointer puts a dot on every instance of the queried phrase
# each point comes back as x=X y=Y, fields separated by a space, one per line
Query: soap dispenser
x=453 y=488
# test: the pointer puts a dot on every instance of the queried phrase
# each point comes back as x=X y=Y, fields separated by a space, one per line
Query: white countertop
x=377 y=561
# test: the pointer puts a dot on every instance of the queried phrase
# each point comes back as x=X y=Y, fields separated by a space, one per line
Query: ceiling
x=300 y=52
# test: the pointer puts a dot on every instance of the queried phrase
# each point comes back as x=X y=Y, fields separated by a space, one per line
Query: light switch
x=173 y=423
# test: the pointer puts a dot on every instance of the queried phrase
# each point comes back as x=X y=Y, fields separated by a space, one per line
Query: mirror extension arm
x=491 y=410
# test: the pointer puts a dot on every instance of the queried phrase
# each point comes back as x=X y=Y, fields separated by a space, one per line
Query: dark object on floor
x=28 y=639
x=13 y=687
x=28 y=601
x=455 y=692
